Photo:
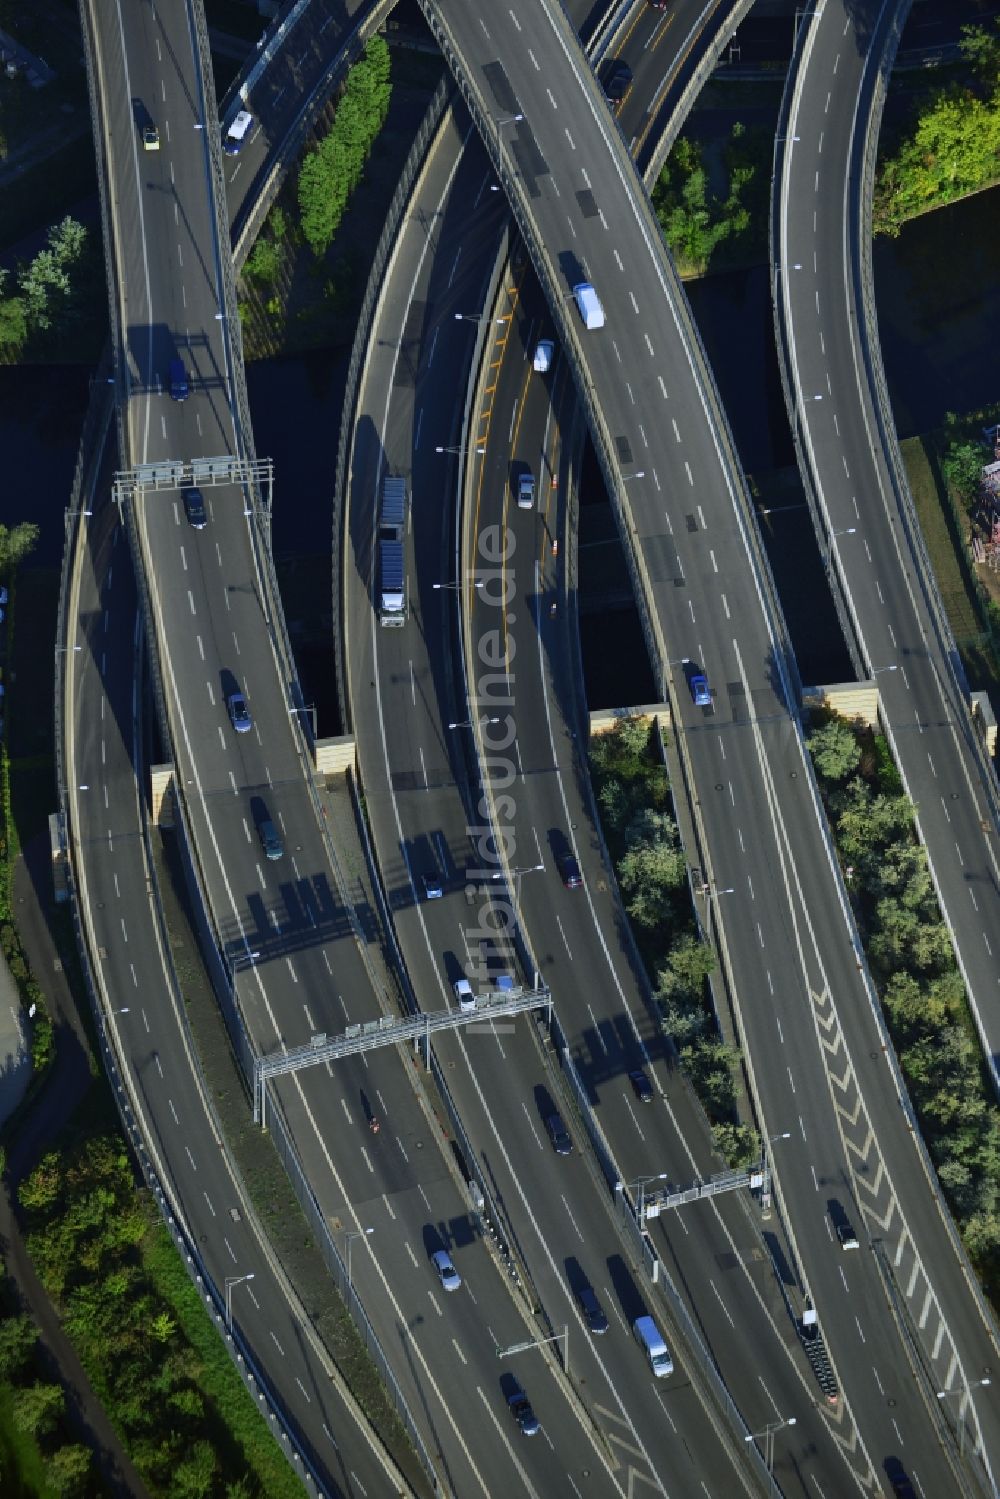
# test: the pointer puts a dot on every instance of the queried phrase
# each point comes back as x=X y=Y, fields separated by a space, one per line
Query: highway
x=127 y=950
x=852 y=466
x=160 y=1075
x=299 y=966
x=221 y=594
x=560 y=1225
x=793 y=960
x=415 y=804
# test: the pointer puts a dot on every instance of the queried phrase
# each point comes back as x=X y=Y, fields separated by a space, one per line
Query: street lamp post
x=517 y=873
x=474 y=723
x=231 y=1281
x=309 y=708
x=944 y=1394
x=507 y=120
x=356 y=1233
x=460 y=450
x=477 y=317
x=768 y=1435
x=765 y=1174
x=460 y=584
x=639 y=1186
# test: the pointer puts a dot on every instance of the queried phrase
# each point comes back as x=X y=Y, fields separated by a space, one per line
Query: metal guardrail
x=110 y=264
x=93 y=439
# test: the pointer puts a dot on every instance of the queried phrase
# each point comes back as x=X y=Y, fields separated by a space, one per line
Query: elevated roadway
x=416 y=807
x=791 y=959
x=402 y=701
x=291 y=941
x=854 y=474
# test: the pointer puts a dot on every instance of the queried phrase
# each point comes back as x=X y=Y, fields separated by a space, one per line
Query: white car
x=544 y=354
x=447 y=1274
x=464 y=995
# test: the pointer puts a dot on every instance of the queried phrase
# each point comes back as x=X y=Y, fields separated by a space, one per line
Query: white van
x=647 y=1335
x=589 y=304
x=237 y=132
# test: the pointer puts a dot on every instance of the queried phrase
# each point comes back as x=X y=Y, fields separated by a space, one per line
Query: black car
x=570 y=870
x=641 y=1086
x=559 y=1135
x=616 y=81
x=194 y=507
x=899 y=1479
x=520 y=1408
x=592 y=1310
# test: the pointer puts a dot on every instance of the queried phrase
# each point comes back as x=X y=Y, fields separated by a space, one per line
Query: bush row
x=37 y=1453
x=636 y=811
x=948 y=146
x=330 y=174
x=141 y=1331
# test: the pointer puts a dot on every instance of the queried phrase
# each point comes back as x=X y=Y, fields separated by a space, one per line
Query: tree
x=710 y=1065
x=688 y=965
x=195 y=1476
x=162 y=1327
x=264 y=261
x=738 y=1144
x=652 y=865
x=981 y=50
x=632 y=733
x=67 y=241
x=13 y=322
x=45 y=286
x=835 y=750
x=67 y=1471
x=37 y=1408
x=43 y=1188
x=683 y=1018
x=962 y=466
x=18 y=1336
x=16 y=542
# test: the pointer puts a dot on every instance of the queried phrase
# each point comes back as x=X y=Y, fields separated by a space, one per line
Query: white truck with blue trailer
x=392 y=608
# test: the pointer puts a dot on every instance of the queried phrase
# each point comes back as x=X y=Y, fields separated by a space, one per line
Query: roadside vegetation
x=913 y=966
x=636 y=811
x=54 y=302
x=711 y=200
x=947 y=145
x=37 y=1454
x=309 y=213
x=149 y=1348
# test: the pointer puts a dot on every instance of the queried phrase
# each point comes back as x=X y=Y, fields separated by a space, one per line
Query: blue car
x=239 y=713
x=700 y=690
